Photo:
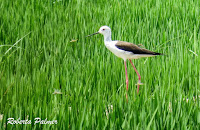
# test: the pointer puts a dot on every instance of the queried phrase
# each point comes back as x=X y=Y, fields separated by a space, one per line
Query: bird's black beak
x=92 y=34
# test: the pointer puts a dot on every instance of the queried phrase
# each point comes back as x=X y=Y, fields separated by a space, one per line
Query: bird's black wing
x=130 y=47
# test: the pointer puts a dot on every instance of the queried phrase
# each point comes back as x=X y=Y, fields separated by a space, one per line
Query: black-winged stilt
x=125 y=50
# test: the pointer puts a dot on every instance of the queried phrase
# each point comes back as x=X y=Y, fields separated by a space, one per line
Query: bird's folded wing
x=126 y=46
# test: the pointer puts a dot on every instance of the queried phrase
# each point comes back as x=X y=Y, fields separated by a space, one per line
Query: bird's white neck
x=107 y=37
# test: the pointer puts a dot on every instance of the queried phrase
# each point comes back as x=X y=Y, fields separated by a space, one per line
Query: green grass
x=90 y=78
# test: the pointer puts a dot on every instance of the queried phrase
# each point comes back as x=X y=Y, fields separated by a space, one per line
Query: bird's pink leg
x=126 y=80
x=139 y=77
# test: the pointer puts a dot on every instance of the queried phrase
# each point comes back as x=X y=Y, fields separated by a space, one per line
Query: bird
x=126 y=51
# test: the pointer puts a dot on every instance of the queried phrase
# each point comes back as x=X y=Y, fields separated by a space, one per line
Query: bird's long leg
x=126 y=80
x=139 y=77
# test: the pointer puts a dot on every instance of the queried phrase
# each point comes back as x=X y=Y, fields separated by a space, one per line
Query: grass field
x=82 y=84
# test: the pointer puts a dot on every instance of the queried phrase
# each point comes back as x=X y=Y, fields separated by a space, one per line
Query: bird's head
x=104 y=30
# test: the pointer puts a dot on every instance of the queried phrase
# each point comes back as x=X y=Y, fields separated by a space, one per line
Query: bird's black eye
x=103 y=29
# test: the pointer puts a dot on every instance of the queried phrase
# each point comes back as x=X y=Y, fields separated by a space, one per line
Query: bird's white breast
x=118 y=52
